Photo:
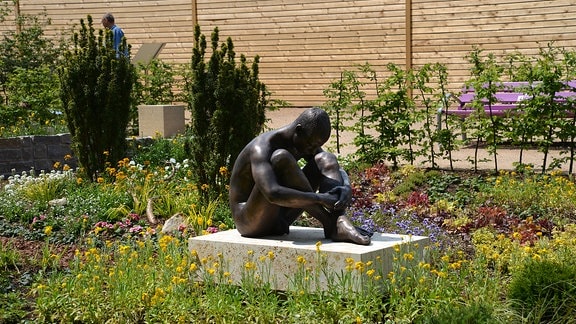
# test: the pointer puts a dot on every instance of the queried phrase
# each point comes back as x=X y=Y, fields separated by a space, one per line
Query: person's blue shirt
x=117 y=35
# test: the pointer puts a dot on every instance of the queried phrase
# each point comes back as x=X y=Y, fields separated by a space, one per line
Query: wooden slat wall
x=445 y=31
x=305 y=44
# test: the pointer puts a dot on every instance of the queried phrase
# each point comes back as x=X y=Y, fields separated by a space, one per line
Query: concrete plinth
x=302 y=258
x=165 y=120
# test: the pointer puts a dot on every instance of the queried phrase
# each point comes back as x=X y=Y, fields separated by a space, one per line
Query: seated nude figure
x=269 y=190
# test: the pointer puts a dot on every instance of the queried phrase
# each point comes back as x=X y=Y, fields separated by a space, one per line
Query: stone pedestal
x=302 y=257
x=163 y=120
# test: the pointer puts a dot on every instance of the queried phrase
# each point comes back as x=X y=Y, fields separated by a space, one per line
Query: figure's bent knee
x=282 y=158
x=326 y=161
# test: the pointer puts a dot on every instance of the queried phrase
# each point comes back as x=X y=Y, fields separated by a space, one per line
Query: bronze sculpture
x=269 y=190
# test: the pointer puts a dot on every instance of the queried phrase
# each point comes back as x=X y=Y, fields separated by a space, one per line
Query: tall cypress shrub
x=96 y=86
x=227 y=103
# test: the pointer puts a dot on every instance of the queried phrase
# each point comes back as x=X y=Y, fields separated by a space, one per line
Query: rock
x=174 y=223
x=58 y=202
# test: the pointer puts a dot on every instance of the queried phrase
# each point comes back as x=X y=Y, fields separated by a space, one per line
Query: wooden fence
x=304 y=45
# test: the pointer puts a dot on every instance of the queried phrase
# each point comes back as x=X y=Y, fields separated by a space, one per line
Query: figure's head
x=312 y=130
x=108 y=20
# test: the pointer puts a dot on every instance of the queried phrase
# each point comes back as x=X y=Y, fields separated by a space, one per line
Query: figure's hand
x=328 y=200
x=344 y=194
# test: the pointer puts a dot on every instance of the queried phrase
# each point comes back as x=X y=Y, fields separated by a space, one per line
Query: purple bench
x=507 y=99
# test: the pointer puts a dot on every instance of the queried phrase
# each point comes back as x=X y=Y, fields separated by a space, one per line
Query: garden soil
x=507 y=155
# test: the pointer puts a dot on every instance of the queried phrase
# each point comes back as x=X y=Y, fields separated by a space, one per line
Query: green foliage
x=29 y=97
x=27 y=49
x=523 y=195
x=227 y=102
x=156 y=80
x=413 y=180
x=346 y=101
x=96 y=87
x=545 y=291
x=159 y=150
x=391 y=115
x=388 y=126
x=34 y=98
x=13 y=307
x=542 y=120
x=486 y=76
x=458 y=313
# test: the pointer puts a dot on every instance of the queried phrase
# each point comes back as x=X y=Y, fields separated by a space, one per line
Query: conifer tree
x=96 y=85
x=227 y=103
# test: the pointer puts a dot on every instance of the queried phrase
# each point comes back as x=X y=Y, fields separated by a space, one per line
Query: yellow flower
x=100 y=180
x=424 y=265
x=271 y=255
x=48 y=230
x=300 y=259
x=250 y=265
x=318 y=244
x=370 y=272
x=408 y=256
x=456 y=265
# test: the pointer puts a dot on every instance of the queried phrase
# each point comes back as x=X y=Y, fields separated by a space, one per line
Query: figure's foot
x=346 y=232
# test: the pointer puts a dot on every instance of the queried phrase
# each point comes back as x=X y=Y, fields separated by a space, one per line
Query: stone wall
x=39 y=152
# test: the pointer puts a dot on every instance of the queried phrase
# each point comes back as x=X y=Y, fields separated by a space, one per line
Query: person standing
x=117 y=33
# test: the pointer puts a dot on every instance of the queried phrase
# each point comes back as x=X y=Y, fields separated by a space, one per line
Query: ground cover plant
x=88 y=252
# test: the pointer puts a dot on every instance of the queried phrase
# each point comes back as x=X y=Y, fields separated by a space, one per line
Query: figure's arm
x=266 y=181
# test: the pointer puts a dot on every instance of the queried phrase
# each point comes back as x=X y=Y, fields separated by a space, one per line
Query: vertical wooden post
x=17 y=16
x=194 y=14
x=408 y=23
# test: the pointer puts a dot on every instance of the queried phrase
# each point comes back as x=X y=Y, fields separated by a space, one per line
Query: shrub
x=96 y=86
x=27 y=49
x=227 y=102
x=474 y=313
x=546 y=290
